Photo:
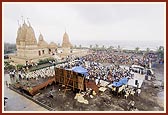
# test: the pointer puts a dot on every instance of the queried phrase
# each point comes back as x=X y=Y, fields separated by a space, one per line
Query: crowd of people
x=37 y=74
x=41 y=73
x=108 y=66
x=101 y=65
x=108 y=56
x=96 y=62
x=98 y=71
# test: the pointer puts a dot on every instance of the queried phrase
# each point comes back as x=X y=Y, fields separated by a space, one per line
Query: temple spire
x=28 y=21
x=22 y=19
x=18 y=22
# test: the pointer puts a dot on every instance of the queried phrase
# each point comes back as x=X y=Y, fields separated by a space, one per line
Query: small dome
x=40 y=37
x=42 y=42
x=52 y=45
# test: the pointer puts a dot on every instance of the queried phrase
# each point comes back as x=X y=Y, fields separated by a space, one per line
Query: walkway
x=17 y=102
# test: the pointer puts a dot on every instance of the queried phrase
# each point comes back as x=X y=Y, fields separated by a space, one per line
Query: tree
x=59 y=45
x=80 y=46
x=19 y=66
x=137 y=49
x=160 y=52
x=90 y=46
x=103 y=47
x=97 y=46
x=75 y=46
x=110 y=47
x=8 y=66
x=147 y=50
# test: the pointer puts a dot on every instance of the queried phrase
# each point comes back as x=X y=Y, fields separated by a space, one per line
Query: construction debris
x=102 y=89
x=80 y=98
x=94 y=93
x=103 y=83
x=91 y=96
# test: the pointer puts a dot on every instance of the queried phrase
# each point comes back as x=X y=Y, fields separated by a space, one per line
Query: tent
x=117 y=84
x=123 y=81
x=80 y=69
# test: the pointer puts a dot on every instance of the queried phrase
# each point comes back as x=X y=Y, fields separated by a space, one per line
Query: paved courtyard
x=17 y=102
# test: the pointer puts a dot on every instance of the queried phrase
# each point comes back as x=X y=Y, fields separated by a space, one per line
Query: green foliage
x=97 y=46
x=19 y=66
x=43 y=61
x=80 y=46
x=75 y=46
x=8 y=66
x=137 y=49
x=160 y=52
x=111 y=47
x=9 y=48
x=147 y=50
x=91 y=46
x=103 y=47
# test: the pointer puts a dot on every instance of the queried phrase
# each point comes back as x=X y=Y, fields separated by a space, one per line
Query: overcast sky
x=87 y=21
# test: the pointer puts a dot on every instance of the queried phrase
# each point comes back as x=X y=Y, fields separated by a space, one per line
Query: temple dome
x=18 y=36
x=25 y=34
x=42 y=42
x=66 y=43
x=30 y=37
x=53 y=45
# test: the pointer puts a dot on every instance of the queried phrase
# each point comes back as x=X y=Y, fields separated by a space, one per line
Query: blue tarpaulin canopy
x=123 y=81
x=80 y=69
x=117 y=84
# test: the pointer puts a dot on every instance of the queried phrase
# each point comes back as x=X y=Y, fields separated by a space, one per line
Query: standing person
x=5 y=98
x=51 y=93
x=138 y=91
x=6 y=82
x=131 y=103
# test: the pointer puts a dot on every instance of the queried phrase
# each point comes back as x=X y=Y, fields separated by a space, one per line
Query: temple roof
x=66 y=43
x=53 y=45
x=42 y=42
x=25 y=34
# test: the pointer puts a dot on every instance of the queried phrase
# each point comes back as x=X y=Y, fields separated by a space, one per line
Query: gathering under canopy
x=81 y=70
x=123 y=81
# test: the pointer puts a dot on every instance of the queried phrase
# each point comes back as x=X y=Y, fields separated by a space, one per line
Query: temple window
x=39 y=53
x=49 y=51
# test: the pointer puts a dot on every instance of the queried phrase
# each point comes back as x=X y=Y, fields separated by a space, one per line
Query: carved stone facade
x=29 y=49
x=66 y=43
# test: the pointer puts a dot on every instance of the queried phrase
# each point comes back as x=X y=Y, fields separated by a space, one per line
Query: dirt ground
x=106 y=101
